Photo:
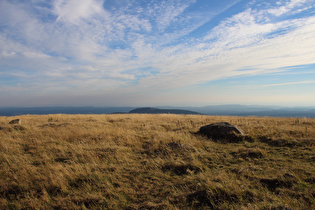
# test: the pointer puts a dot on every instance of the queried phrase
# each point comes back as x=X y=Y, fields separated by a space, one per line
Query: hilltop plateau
x=151 y=110
x=148 y=161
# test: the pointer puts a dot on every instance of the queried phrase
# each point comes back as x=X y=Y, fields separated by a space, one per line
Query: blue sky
x=151 y=53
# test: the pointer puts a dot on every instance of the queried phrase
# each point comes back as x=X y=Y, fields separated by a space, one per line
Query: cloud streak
x=290 y=83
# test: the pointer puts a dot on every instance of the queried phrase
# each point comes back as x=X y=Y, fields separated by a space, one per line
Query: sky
x=157 y=52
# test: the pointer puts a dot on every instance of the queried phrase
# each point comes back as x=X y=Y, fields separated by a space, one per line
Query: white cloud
x=166 y=12
x=72 y=10
x=238 y=43
x=241 y=30
x=288 y=7
x=7 y=54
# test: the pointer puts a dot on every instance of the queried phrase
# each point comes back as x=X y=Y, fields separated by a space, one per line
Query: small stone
x=15 y=121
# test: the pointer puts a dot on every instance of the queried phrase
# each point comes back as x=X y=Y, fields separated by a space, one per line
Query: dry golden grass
x=129 y=162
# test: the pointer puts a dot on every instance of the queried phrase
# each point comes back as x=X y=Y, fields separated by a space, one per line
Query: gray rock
x=221 y=130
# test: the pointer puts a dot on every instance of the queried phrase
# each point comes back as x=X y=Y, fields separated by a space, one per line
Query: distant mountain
x=231 y=109
x=254 y=110
x=228 y=110
x=151 y=110
x=13 y=111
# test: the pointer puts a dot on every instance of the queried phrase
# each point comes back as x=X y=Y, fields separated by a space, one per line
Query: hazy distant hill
x=12 y=111
x=228 y=110
x=246 y=110
x=151 y=110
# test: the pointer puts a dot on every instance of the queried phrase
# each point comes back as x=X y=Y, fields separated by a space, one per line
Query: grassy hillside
x=135 y=161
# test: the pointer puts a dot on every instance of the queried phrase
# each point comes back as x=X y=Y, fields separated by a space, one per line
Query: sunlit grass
x=129 y=162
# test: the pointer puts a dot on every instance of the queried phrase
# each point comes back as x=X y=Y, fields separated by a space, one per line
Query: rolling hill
x=151 y=110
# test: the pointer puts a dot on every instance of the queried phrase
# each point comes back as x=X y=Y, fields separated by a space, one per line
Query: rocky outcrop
x=222 y=131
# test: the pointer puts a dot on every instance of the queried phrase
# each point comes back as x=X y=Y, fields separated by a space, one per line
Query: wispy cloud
x=83 y=46
x=71 y=10
x=289 y=83
x=288 y=6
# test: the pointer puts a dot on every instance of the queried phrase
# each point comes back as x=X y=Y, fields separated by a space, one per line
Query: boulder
x=222 y=130
x=15 y=121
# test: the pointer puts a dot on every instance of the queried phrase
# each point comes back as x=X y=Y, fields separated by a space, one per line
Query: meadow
x=142 y=161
